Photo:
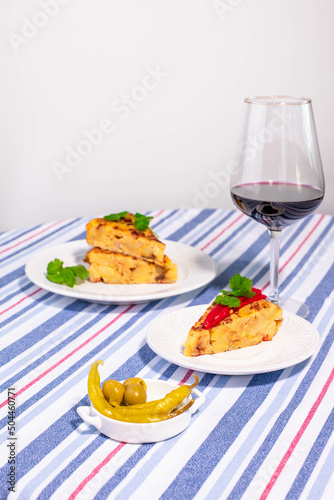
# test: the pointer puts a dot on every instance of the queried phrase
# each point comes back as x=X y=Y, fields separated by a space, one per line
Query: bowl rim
x=185 y=414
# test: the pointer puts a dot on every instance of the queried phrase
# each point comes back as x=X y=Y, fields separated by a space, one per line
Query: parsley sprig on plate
x=240 y=287
x=66 y=275
x=141 y=221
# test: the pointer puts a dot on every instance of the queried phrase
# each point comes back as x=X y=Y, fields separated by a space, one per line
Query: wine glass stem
x=275 y=239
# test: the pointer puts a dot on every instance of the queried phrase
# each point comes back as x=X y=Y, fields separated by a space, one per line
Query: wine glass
x=277 y=178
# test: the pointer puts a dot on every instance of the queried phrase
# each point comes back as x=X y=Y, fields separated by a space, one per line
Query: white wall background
x=71 y=66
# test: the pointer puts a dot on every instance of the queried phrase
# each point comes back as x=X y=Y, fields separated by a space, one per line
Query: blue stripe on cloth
x=319 y=250
x=18 y=234
x=22 y=361
x=316 y=300
x=155 y=225
x=70 y=468
x=123 y=471
x=9 y=296
x=13 y=275
x=59 y=319
x=64 y=333
x=9 y=234
x=165 y=224
x=323 y=477
x=40 y=240
x=168 y=372
x=82 y=235
x=312 y=459
x=208 y=223
x=220 y=222
x=221 y=437
x=308 y=256
x=78 y=237
x=282 y=420
x=14 y=288
x=238 y=232
x=190 y=225
x=159 y=365
x=35 y=302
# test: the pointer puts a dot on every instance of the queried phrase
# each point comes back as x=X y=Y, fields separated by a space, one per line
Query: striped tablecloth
x=256 y=437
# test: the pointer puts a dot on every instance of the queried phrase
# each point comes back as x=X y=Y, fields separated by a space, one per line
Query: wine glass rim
x=278 y=100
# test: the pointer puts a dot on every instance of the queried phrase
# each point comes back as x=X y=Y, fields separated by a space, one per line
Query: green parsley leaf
x=80 y=271
x=65 y=275
x=69 y=277
x=116 y=216
x=54 y=266
x=228 y=300
x=141 y=221
x=56 y=278
x=240 y=287
x=240 y=283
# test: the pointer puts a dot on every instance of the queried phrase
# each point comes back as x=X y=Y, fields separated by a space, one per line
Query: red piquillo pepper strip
x=220 y=312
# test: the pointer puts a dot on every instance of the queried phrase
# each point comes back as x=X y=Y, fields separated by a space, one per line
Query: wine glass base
x=294 y=306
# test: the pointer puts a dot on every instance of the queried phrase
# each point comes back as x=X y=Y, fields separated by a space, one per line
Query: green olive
x=134 y=394
x=134 y=380
x=113 y=391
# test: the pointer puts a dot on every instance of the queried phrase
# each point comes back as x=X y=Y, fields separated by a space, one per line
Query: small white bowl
x=143 y=433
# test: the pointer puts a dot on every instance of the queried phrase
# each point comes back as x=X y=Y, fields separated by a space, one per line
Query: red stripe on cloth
x=95 y=471
x=297 y=249
x=68 y=355
x=19 y=302
x=297 y=437
x=159 y=213
x=223 y=231
x=186 y=377
x=32 y=236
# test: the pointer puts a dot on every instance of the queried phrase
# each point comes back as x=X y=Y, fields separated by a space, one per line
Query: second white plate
x=195 y=269
x=295 y=341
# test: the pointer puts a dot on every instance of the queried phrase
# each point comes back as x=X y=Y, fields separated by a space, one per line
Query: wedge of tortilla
x=116 y=268
x=123 y=237
x=247 y=326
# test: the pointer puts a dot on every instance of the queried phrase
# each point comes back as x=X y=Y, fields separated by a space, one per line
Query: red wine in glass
x=276 y=205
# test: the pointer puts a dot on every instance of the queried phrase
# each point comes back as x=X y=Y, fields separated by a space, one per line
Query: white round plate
x=295 y=341
x=195 y=269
